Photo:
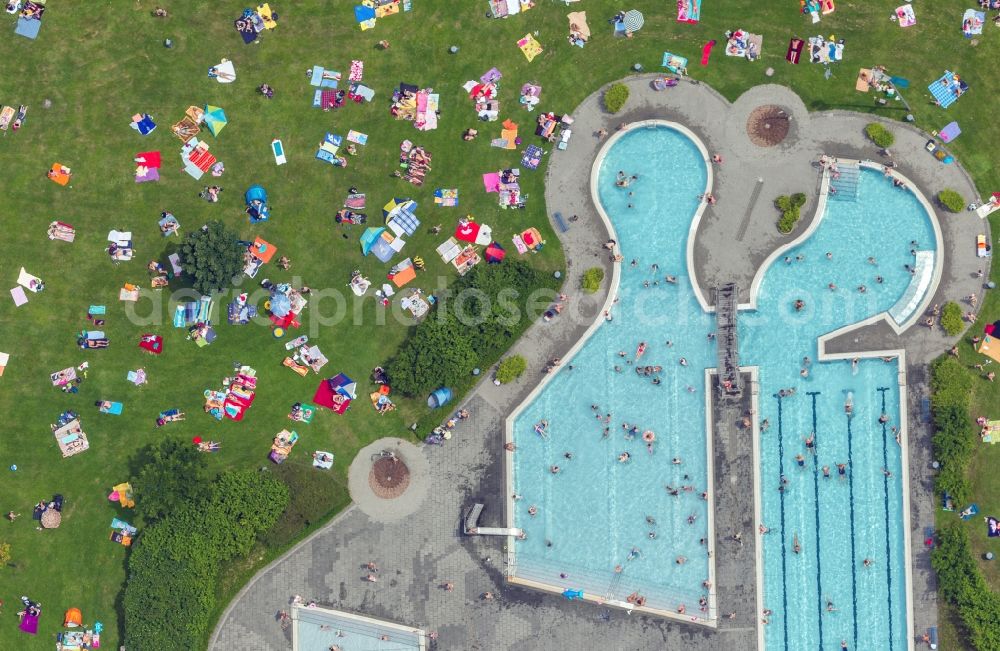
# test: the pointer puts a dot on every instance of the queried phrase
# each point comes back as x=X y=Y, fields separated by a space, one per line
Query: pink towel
x=357 y=70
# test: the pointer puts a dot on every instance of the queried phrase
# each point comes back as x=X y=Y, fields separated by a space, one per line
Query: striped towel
x=357 y=70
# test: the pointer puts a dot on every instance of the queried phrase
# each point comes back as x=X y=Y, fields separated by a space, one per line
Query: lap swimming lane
x=885 y=483
x=784 y=568
x=819 y=583
x=854 y=554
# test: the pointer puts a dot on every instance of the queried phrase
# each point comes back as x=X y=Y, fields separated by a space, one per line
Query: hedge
x=951 y=318
x=879 y=135
x=953 y=440
x=592 y=279
x=511 y=368
x=615 y=97
x=791 y=210
x=471 y=325
x=174 y=564
x=951 y=200
x=962 y=585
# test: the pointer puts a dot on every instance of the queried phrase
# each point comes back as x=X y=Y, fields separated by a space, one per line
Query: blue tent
x=439 y=398
x=370 y=237
x=280 y=305
x=257 y=208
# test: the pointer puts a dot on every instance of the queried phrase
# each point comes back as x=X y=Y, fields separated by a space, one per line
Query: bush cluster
x=951 y=200
x=951 y=318
x=962 y=585
x=511 y=368
x=953 y=440
x=592 y=279
x=615 y=97
x=791 y=210
x=174 y=564
x=880 y=135
x=472 y=325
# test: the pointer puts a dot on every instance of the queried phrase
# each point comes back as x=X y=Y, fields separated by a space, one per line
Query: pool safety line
x=854 y=556
x=781 y=470
x=885 y=483
x=815 y=455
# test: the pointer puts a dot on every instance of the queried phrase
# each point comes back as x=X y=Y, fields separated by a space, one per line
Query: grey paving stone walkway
x=426 y=549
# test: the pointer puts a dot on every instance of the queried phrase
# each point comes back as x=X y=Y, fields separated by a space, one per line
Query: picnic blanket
x=972 y=22
x=675 y=63
x=949 y=132
x=744 y=44
x=446 y=197
x=578 y=28
x=948 y=88
x=824 y=51
x=532 y=156
x=688 y=11
x=906 y=16
x=530 y=47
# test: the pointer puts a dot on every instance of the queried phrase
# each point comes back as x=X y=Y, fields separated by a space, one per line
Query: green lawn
x=100 y=64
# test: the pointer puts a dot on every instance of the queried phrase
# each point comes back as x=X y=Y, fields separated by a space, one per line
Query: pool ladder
x=846 y=185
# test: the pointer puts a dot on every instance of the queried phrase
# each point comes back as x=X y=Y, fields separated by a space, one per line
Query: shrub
x=791 y=210
x=961 y=583
x=488 y=311
x=615 y=97
x=511 y=368
x=953 y=432
x=951 y=200
x=310 y=499
x=951 y=318
x=592 y=278
x=211 y=256
x=880 y=135
x=173 y=472
x=173 y=568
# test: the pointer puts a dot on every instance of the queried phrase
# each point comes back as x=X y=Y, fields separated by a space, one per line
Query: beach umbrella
x=280 y=305
x=51 y=519
x=633 y=20
x=394 y=206
x=215 y=119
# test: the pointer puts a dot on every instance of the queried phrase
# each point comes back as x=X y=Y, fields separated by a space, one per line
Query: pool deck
x=422 y=551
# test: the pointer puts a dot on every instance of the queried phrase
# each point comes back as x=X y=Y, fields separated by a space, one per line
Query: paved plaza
x=418 y=543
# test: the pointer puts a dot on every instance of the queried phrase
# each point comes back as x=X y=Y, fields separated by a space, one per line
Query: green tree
x=615 y=97
x=592 y=278
x=439 y=353
x=951 y=318
x=245 y=503
x=511 y=368
x=879 y=135
x=951 y=200
x=211 y=256
x=172 y=473
x=961 y=584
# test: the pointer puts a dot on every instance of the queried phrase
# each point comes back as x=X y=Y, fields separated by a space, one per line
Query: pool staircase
x=846 y=184
x=727 y=344
x=472 y=527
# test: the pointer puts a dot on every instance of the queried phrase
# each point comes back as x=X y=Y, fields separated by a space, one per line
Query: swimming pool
x=593 y=513
x=826 y=592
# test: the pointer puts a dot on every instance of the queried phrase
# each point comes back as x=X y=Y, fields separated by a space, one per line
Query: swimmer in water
x=624 y=457
x=683 y=361
x=842 y=470
x=826 y=471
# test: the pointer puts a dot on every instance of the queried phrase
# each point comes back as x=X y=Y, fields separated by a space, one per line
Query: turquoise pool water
x=838 y=522
x=593 y=512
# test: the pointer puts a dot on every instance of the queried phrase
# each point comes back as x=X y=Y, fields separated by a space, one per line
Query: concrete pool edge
x=508 y=429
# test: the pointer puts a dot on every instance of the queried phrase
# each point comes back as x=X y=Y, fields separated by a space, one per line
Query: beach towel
x=906 y=16
x=707 y=52
x=530 y=47
x=4 y=359
x=20 y=298
x=972 y=22
x=532 y=157
x=949 y=132
x=828 y=6
x=357 y=137
x=446 y=197
x=29 y=282
x=578 y=25
x=675 y=63
x=794 y=53
x=491 y=76
x=688 y=11
x=224 y=72
x=864 y=78
x=357 y=70
x=28 y=28
x=491 y=182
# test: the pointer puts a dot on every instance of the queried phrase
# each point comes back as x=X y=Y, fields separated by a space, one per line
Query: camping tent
x=215 y=119
x=280 y=305
x=369 y=238
x=439 y=398
x=256 y=200
x=73 y=618
x=395 y=205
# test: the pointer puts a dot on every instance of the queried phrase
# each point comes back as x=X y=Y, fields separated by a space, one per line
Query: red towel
x=148 y=158
x=707 y=52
